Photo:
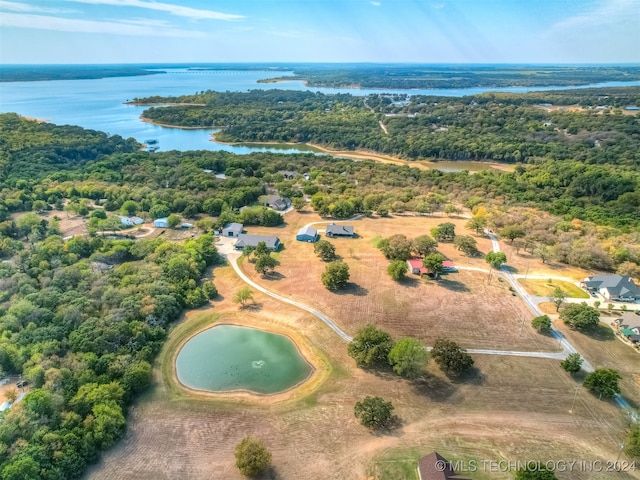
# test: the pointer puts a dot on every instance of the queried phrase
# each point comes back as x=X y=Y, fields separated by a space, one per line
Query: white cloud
x=177 y=10
x=376 y=4
x=23 y=7
x=606 y=12
x=131 y=28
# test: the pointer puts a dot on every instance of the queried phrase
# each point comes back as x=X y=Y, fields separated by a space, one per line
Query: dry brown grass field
x=461 y=306
x=509 y=408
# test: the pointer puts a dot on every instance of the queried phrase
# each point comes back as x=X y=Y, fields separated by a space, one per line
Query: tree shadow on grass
x=393 y=428
x=270 y=473
x=353 y=289
x=471 y=376
x=601 y=333
x=453 y=285
x=412 y=282
x=273 y=276
x=578 y=377
x=436 y=388
x=509 y=268
x=251 y=307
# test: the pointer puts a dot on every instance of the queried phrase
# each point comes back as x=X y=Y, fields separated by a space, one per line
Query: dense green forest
x=584 y=162
x=35 y=73
x=82 y=319
x=498 y=127
x=396 y=76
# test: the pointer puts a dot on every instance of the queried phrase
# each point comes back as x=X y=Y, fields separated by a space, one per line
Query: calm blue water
x=227 y=357
x=98 y=104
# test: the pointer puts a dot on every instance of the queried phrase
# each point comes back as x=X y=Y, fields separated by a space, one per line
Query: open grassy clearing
x=462 y=306
x=510 y=408
x=545 y=288
x=605 y=350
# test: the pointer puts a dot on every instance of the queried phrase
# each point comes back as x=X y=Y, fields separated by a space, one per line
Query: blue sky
x=451 y=31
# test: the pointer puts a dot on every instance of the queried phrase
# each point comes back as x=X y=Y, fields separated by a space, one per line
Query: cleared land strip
x=233 y=260
x=566 y=345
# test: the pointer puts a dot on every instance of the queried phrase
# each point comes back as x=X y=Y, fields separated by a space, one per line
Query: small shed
x=232 y=230
x=307 y=234
x=435 y=467
x=416 y=267
x=136 y=220
x=161 y=223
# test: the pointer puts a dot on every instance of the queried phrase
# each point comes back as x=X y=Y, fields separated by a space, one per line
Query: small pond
x=227 y=357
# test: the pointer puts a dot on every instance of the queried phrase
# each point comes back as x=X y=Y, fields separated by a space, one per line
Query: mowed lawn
x=462 y=306
x=509 y=408
x=545 y=288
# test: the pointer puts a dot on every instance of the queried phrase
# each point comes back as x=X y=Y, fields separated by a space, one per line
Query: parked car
x=21 y=384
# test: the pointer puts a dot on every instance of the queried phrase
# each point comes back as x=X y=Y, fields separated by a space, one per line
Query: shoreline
x=317 y=375
x=165 y=125
x=359 y=155
x=168 y=104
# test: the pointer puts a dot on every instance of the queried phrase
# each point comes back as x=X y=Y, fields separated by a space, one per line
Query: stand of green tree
x=83 y=319
x=580 y=163
x=453 y=76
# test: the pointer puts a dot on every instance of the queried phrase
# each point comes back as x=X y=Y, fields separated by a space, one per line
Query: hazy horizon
x=503 y=32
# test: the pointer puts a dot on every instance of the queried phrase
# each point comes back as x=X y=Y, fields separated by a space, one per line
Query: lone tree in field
x=580 y=316
x=445 y=232
x=542 y=323
x=374 y=412
x=512 y=232
x=632 y=445
x=433 y=262
x=325 y=250
x=573 y=363
x=397 y=269
x=243 y=295
x=396 y=247
x=604 y=382
x=336 y=275
x=252 y=457
x=538 y=472
x=478 y=224
x=559 y=298
x=495 y=259
x=424 y=245
x=265 y=264
x=370 y=347
x=450 y=357
x=408 y=357
x=466 y=244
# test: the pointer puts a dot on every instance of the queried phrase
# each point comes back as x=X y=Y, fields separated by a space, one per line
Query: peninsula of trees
x=581 y=161
x=82 y=319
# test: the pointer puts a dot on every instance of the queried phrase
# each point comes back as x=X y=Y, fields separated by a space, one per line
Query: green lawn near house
x=545 y=288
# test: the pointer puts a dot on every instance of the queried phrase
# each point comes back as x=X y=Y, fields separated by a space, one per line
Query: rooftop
x=334 y=229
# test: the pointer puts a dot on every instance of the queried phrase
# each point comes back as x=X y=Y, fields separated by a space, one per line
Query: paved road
x=566 y=345
x=225 y=247
x=232 y=257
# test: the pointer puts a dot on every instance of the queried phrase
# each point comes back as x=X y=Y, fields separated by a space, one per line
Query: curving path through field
x=225 y=247
x=566 y=344
x=233 y=260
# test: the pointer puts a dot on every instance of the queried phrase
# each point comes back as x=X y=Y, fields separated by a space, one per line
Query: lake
x=99 y=104
x=226 y=358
